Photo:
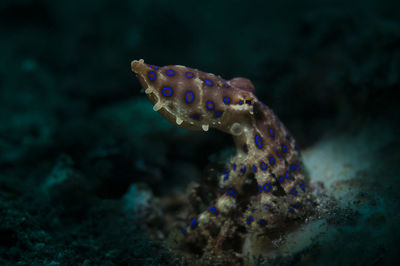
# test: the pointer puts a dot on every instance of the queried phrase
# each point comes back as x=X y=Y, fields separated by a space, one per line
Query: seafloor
x=89 y=174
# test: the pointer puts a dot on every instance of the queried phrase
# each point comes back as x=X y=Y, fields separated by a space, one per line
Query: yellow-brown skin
x=270 y=192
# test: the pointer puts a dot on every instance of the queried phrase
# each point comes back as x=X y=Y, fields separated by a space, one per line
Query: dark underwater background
x=83 y=155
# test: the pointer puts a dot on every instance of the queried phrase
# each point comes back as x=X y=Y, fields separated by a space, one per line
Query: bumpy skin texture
x=262 y=187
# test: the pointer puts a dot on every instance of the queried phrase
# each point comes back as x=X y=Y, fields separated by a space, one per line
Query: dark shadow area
x=77 y=133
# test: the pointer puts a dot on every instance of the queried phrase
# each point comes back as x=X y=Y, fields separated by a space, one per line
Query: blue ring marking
x=258 y=141
x=271 y=160
x=254 y=169
x=250 y=219
x=231 y=191
x=263 y=166
x=166 y=91
x=271 y=132
x=187 y=98
x=234 y=166
x=227 y=100
x=281 y=178
x=260 y=189
x=226 y=85
x=269 y=187
x=154 y=67
x=170 y=72
x=262 y=222
x=293 y=191
x=302 y=186
x=210 y=105
x=189 y=75
x=212 y=209
x=245 y=148
x=152 y=75
x=240 y=102
x=293 y=167
x=226 y=173
x=218 y=113
x=193 y=223
x=284 y=148
x=252 y=210
x=287 y=175
x=298 y=205
x=208 y=82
